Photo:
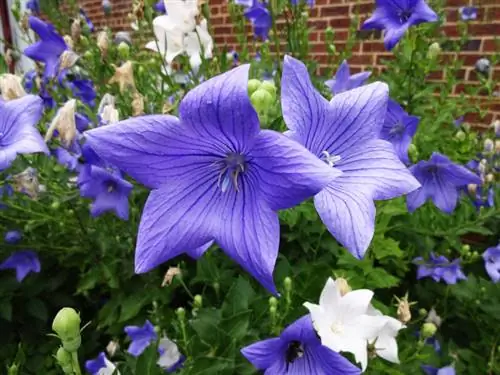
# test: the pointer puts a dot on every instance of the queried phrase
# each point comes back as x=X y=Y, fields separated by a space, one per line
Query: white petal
x=330 y=297
x=386 y=347
x=354 y=304
x=205 y=39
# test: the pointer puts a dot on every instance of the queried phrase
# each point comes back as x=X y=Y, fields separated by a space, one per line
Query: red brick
x=335 y=11
x=490 y=45
x=484 y=29
x=340 y=23
x=373 y=47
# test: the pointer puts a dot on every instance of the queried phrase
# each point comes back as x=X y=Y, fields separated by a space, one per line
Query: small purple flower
x=430 y=370
x=13 y=236
x=82 y=122
x=29 y=80
x=48 y=49
x=468 y=13
x=141 y=337
x=344 y=81
x=397 y=16
x=6 y=191
x=170 y=358
x=23 y=262
x=100 y=366
x=33 y=6
x=84 y=90
x=260 y=17
x=215 y=176
x=441 y=180
x=439 y=268
x=459 y=121
x=245 y=3
x=492 y=262
x=296 y=2
x=160 y=7
x=87 y=20
x=344 y=134
x=297 y=350
x=108 y=189
x=18 y=132
x=399 y=129
x=66 y=158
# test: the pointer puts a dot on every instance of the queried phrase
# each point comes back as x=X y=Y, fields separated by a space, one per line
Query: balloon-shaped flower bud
x=64 y=360
x=123 y=50
x=253 y=85
x=106 y=7
x=433 y=51
x=428 y=330
x=67 y=326
x=261 y=100
x=269 y=87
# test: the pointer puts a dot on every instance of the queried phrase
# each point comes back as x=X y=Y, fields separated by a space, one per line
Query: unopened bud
x=137 y=104
x=403 y=311
x=472 y=189
x=67 y=326
x=488 y=145
x=106 y=7
x=169 y=276
x=76 y=30
x=11 y=87
x=13 y=369
x=216 y=286
x=253 y=85
x=413 y=152
x=269 y=87
x=181 y=313
x=69 y=41
x=273 y=301
x=64 y=360
x=342 y=286
x=123 y=50
x=483 y=66
x=428 y=330
x=489 y=177
x=460 y=135
x=112 y=348
x=67 y=59
x=287 y=283
x=103 y=43
x=273 y=310
x=466 y=248
x=330 y=33
x=422 y=312
x=261 y=100
x=64 y=122
x=198 y=301
x=434 y=50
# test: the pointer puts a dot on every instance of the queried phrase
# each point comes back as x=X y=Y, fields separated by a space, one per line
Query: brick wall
x=367 y=53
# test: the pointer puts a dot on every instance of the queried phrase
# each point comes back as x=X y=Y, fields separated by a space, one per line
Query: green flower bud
x=198 y=301
x=434 y=50
x=273 y=302
x=84 y=41
x=216 y=286
x=413 y=152
x=270 y=87
x=67 y=326
x=261 y=100
x=428 y=330
x=253 y=85
x=13 y=369
x=330 y=33
x=123 y=50
x=273 y=310
x=287 y=283
x=55 y=205
x=181 y=313
x=64 y=360
x=422 y=312
x=460 y=135
x=88 y=55
x=466 y=248
x=332 y=48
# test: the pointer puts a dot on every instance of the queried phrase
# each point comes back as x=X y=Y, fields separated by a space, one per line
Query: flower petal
x=348 y=215
x=332 y=362
x=265 y=353
x=155 y=150
x=288 y=173
x=330 y=296
x=220 y=109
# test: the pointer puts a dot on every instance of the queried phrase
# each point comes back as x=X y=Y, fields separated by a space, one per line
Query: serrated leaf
x=206 y=325
x=238 y=297
x=131 y=306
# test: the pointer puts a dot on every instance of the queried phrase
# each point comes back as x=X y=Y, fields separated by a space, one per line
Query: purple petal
x=199 y=251
x=348 y=215
x=430 y=370
x=265 y=353
x=220 y=109
x=422 y=13
x=23 y=262
x=332 y=362
x=341 y=78
x=393 y=35
x=141 y=337
x=95 y=365
x=288 y=173
x=358 y=79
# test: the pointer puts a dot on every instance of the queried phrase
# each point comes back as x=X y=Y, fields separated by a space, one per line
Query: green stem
x=76 y=364
x=186 y=288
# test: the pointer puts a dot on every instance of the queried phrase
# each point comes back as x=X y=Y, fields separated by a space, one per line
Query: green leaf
x=146 y=363
x=207 y=324
x=238 y=297
x=131 y=306
x=37 y=309
x=379 y=278
x=6 y=310
x=383 y=247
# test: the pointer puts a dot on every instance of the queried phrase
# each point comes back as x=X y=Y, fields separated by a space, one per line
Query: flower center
x=231 y=167
x=337 y=328
x=397 y=129
x=330 y=159
x=111 y=186
x=404 y=15
x=294 y=351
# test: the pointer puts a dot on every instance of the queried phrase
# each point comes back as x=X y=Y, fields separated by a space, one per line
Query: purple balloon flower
x=13 y=237
x=108 y=189
x=261 y=20
x=439 y=268
x=397 y=16
x=297 y=350
x=431 y=370
x=344 y=81
x=399 y=129
x=468 y=13
x=48 y=49
x=141 y=337
x=441 y=180
x=84 y=90
x=345 y=133
x=458 y=122
x=18 y=132
x=296 y=2
x=100 y=365
x=33 y=6
x=492 y=262
x=215 y=176
x=66 y=158
x=160 y=7
x=23 y=262
x=87 y=20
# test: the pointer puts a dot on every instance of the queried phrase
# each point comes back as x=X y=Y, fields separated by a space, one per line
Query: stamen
x=231 y=167
x=330 y=159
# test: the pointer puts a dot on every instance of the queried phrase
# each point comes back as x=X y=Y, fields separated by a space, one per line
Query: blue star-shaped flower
x=23 y=262
x=439 y=268
x=141 y=337
x=13 y=237
x=160 y=7
x=33 y=6
x=431 y=370
x=100 y=366
x=344 y=81
x=18 y=132
x=396 y=16
x=441 y=181
x=399 y=129
x=492 y=262
x=297 y=350
x=468 y=13
x=344 y=133
x=215 y=176
x=48 y=49
x=260 y=18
